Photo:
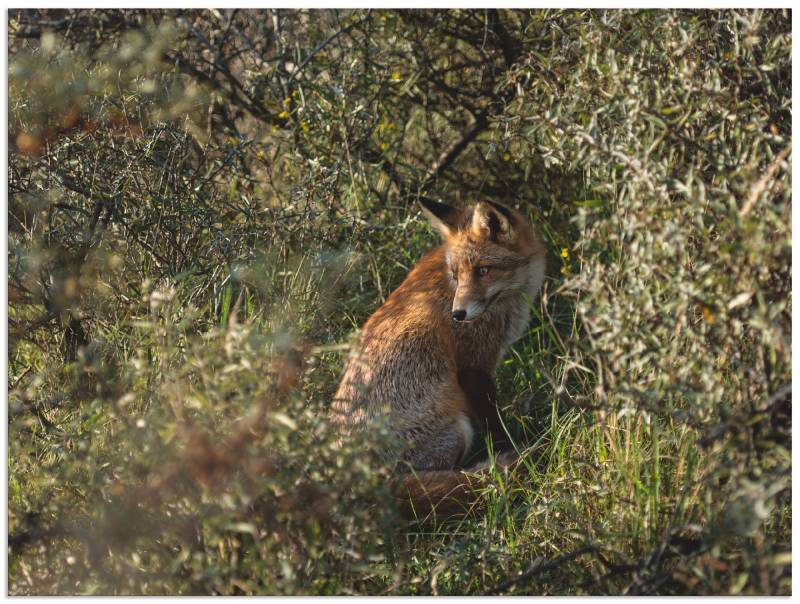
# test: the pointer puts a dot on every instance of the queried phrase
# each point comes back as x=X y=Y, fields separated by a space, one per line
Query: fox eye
x=482 y=270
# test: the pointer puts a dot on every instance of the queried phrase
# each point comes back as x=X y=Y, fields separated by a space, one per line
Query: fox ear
x=443 y=217
x=494 y=222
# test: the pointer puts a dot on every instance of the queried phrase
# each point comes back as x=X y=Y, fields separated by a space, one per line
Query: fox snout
x=465 y=316
x=465 y=309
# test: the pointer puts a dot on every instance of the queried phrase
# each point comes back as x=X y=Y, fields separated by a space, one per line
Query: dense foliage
x=205 y=205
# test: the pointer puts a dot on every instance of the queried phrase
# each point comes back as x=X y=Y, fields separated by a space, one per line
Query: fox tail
x=446 y=494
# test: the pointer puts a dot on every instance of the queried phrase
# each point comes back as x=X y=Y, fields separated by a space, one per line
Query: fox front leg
x=481 y=394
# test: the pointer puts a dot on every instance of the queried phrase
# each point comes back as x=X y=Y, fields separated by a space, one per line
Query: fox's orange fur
x=427 y=355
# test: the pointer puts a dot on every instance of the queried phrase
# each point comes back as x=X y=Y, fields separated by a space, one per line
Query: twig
x=455 y=149
x=743 y=419
x=762 y=182
x=240 y=100
x=511 y=48
x=779 y=394
x=542 y=566
x=20 y=378
x=563 y=395
x=296 y=71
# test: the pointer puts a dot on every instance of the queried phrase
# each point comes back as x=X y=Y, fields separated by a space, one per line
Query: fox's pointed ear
x=494 y=222
x=443 y=217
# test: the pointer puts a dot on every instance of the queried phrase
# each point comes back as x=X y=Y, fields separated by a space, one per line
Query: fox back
x=455 y=315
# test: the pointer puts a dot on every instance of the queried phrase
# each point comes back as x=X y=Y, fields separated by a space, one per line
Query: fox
x=424 y=360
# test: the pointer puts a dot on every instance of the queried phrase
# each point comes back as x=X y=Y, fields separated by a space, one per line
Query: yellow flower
x=396 y=76
x=506 y=156
x=564 y=253
x=305 y=127
x=384 y=146
x=283 y=115
x=709 y=316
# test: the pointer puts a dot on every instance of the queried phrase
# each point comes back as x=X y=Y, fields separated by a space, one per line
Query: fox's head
x=492 y=253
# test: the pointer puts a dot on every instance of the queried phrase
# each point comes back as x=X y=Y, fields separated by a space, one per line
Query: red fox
x=426 y=356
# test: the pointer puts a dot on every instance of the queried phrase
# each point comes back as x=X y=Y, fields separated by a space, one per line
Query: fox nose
x=459 y=315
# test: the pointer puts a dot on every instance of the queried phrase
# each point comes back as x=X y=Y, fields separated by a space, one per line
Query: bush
x=205 y=205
